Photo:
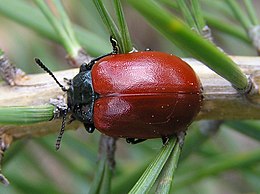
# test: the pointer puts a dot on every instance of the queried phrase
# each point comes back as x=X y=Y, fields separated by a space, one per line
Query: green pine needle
x=109 y=22
x=165 y=180
x=182 y=36
x=239 y=14
x=96 y=184
x=251 y=12
x=71 y=47
x=38 y=23
x=123 y=29
x=147 y=180
x=65 y=21
x=18 y=115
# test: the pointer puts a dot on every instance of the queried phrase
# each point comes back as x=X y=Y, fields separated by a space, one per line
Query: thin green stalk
x=37 y=22
x=251 y=12
x=166 y=177
x=217 y=165
x=193 y=15
x=239 y=14
x=18 y=115
x=216 y=22
x=126 y=40
x=187 y=14
x=109 y=22
x=1 y=52
x=230 y=29
x=95 y=185
x=68 y=45
x=106 y=18
x=183 y=37
x=105 y=187
x=197 y=14
x=66 y=23
x=147 y=180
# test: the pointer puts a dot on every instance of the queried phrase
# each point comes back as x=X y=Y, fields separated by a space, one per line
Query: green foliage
x=117 y=30
x=147 y=180
x=177 y=32
x=232 y=152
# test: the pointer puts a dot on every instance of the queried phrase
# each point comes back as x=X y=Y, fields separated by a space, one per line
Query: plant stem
x=221 y=100
x=197 y=14
x=25 y=115
x=96 y=183
x=230 y=29
x=146 y=181
x=216 y=22
x=38 y=23
x=166 y=177
x=126 y=40
x=64 y=38
x=105 y=187
x=109 y=23
x=187 y=14
x=66 y=23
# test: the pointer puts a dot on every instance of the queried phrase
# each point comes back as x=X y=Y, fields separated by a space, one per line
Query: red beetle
x=137 y=96
x=144 y=95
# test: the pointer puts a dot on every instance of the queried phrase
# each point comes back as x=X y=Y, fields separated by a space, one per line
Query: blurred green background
x=33 y=165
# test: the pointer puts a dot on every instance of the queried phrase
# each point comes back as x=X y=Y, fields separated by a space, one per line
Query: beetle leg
x=165 y=140
x=115 y=46
x=89 y=127
x=72 y=118
x=134 y=140
x=88 y=66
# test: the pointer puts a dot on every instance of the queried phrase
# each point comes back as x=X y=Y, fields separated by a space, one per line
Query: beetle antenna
x=62 y=129
x=40 y=63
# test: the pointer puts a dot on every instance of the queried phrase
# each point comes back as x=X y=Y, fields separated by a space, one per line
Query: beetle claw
x=165 y=140
x=134 y=140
